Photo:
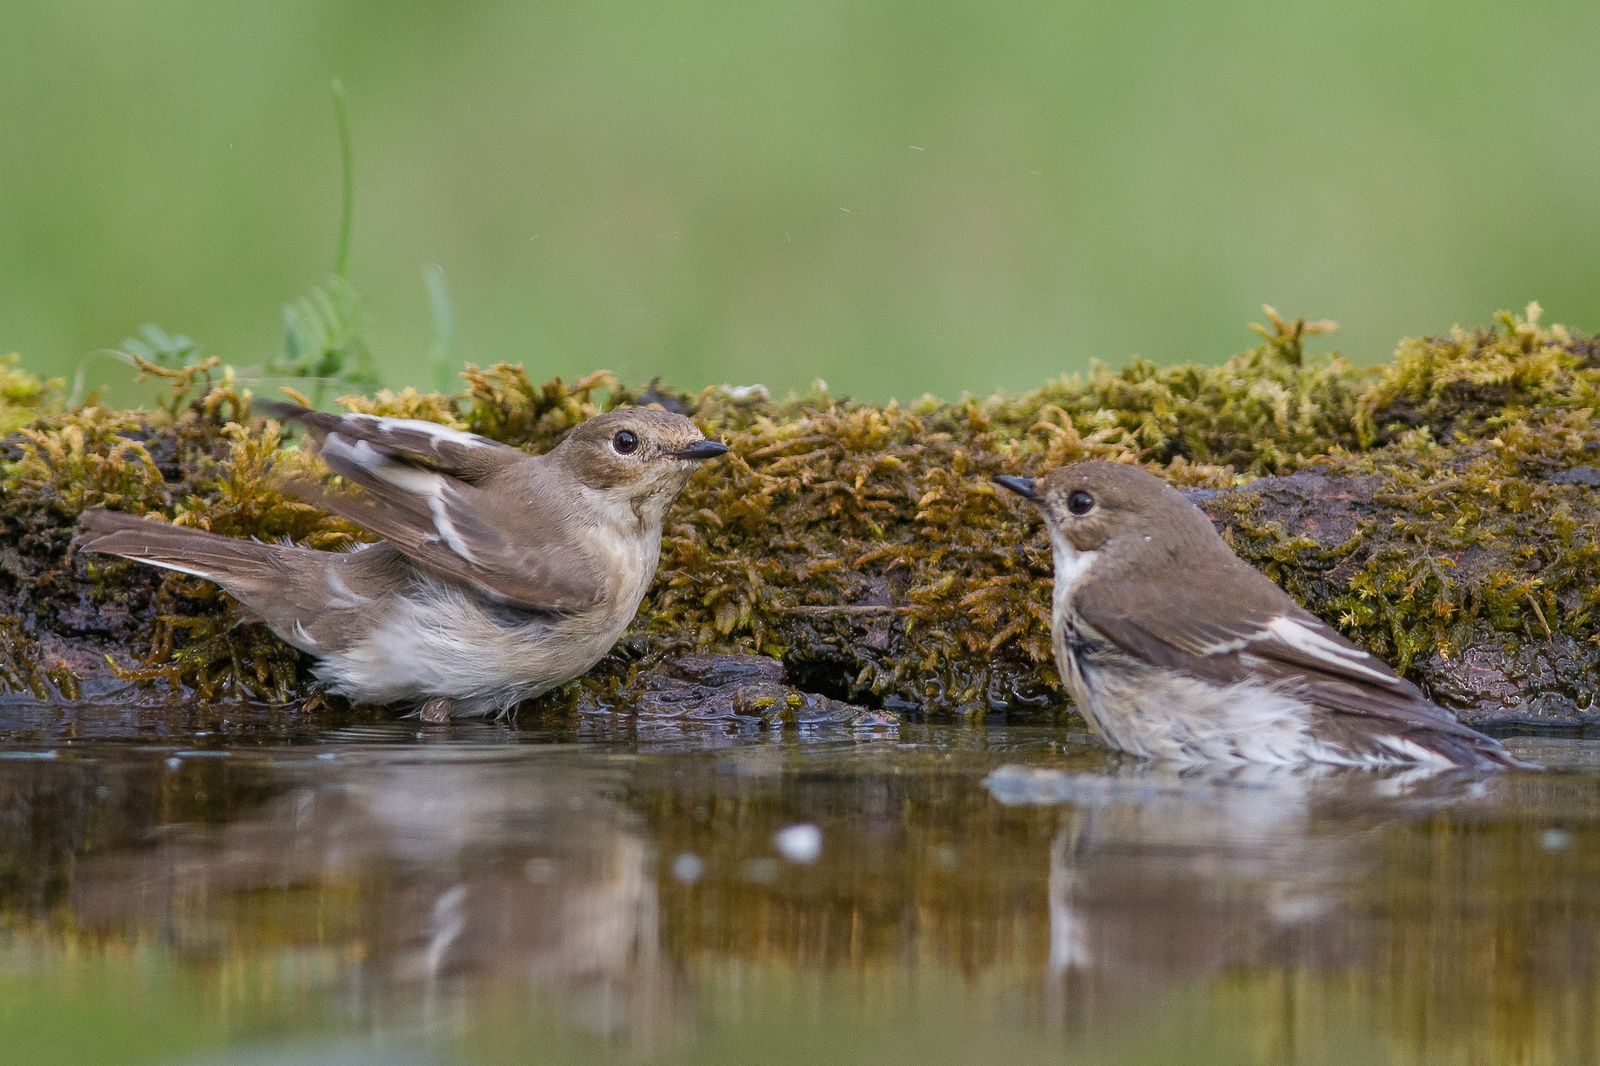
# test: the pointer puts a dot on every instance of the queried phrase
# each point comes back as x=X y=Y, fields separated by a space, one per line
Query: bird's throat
x=1072 y=565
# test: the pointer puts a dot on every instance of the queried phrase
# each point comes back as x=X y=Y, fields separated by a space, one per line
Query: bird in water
x=1175 y=648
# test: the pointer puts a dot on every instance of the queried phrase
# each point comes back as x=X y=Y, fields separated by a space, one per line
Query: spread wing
x=460 y=505
x=1265 y=636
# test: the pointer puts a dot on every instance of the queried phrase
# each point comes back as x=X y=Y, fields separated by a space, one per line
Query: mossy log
x=1440 y=510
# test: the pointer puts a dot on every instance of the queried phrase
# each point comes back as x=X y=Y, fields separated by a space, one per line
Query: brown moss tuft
x=1266 y=410
x=194 y=462
x=503 y=404
x=1437 y=509
x=407 y=403
x=1461 y=385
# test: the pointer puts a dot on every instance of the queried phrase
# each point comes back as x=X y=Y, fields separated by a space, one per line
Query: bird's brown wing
x=1255 y=635
x=459 y=505
x=455 y=452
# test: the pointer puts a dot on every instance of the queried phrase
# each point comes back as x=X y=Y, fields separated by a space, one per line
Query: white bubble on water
x=800 y=843
x=688 y=868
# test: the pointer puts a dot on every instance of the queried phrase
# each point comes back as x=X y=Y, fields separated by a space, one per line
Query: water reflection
x=976 y=892
x=1159 y=878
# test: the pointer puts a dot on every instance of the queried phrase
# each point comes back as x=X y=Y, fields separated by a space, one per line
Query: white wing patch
x=428 y=429
x=402 y=476
x=414 y=481
x=1303 y=638
x=446 y=528
x=1224 y=647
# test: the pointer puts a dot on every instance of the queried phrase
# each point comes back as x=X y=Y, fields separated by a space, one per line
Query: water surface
x=194 y=890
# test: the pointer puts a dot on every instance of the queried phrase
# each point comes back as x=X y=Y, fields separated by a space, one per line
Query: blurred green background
x=896 y=196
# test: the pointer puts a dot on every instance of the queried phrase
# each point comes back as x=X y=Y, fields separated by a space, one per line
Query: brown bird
x=1175 y=648
x=499 y=576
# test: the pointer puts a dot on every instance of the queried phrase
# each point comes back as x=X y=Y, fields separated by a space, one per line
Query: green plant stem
x=341 y=110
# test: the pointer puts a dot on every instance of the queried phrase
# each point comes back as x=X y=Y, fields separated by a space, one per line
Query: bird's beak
x=1022 y=486
x=701 y=449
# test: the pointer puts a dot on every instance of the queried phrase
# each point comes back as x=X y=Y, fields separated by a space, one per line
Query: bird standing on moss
x=500 y=575
x=1175 y=648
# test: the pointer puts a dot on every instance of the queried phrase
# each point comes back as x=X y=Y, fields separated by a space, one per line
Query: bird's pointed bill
x=1022 y=486
x=701 y=449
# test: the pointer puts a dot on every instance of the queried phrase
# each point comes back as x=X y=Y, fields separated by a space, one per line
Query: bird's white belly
x=1163 y=715
x=438 y=639
x=1159 y=715
x=446 y=644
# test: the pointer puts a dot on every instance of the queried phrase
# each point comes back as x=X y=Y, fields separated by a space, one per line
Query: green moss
x=1472 y=566
x=864 y=544
x=1462 y=385
x=200 y=462
x=1468 y=551
x=1266 y=410
x=23 y=397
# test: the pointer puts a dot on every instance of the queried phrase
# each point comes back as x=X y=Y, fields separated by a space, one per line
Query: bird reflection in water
x=1002 y=890
x=414 y=879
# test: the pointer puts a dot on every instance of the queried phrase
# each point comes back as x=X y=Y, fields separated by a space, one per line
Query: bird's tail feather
x=190 y=551
x=1468 y=749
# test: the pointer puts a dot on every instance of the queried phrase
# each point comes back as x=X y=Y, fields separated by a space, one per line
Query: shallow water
x=194 y=891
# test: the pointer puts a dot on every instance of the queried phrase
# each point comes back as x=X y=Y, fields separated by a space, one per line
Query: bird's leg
x=436 y=711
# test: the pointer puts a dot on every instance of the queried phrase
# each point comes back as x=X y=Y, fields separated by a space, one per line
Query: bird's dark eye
x=1080 y=502
x=625 y=441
